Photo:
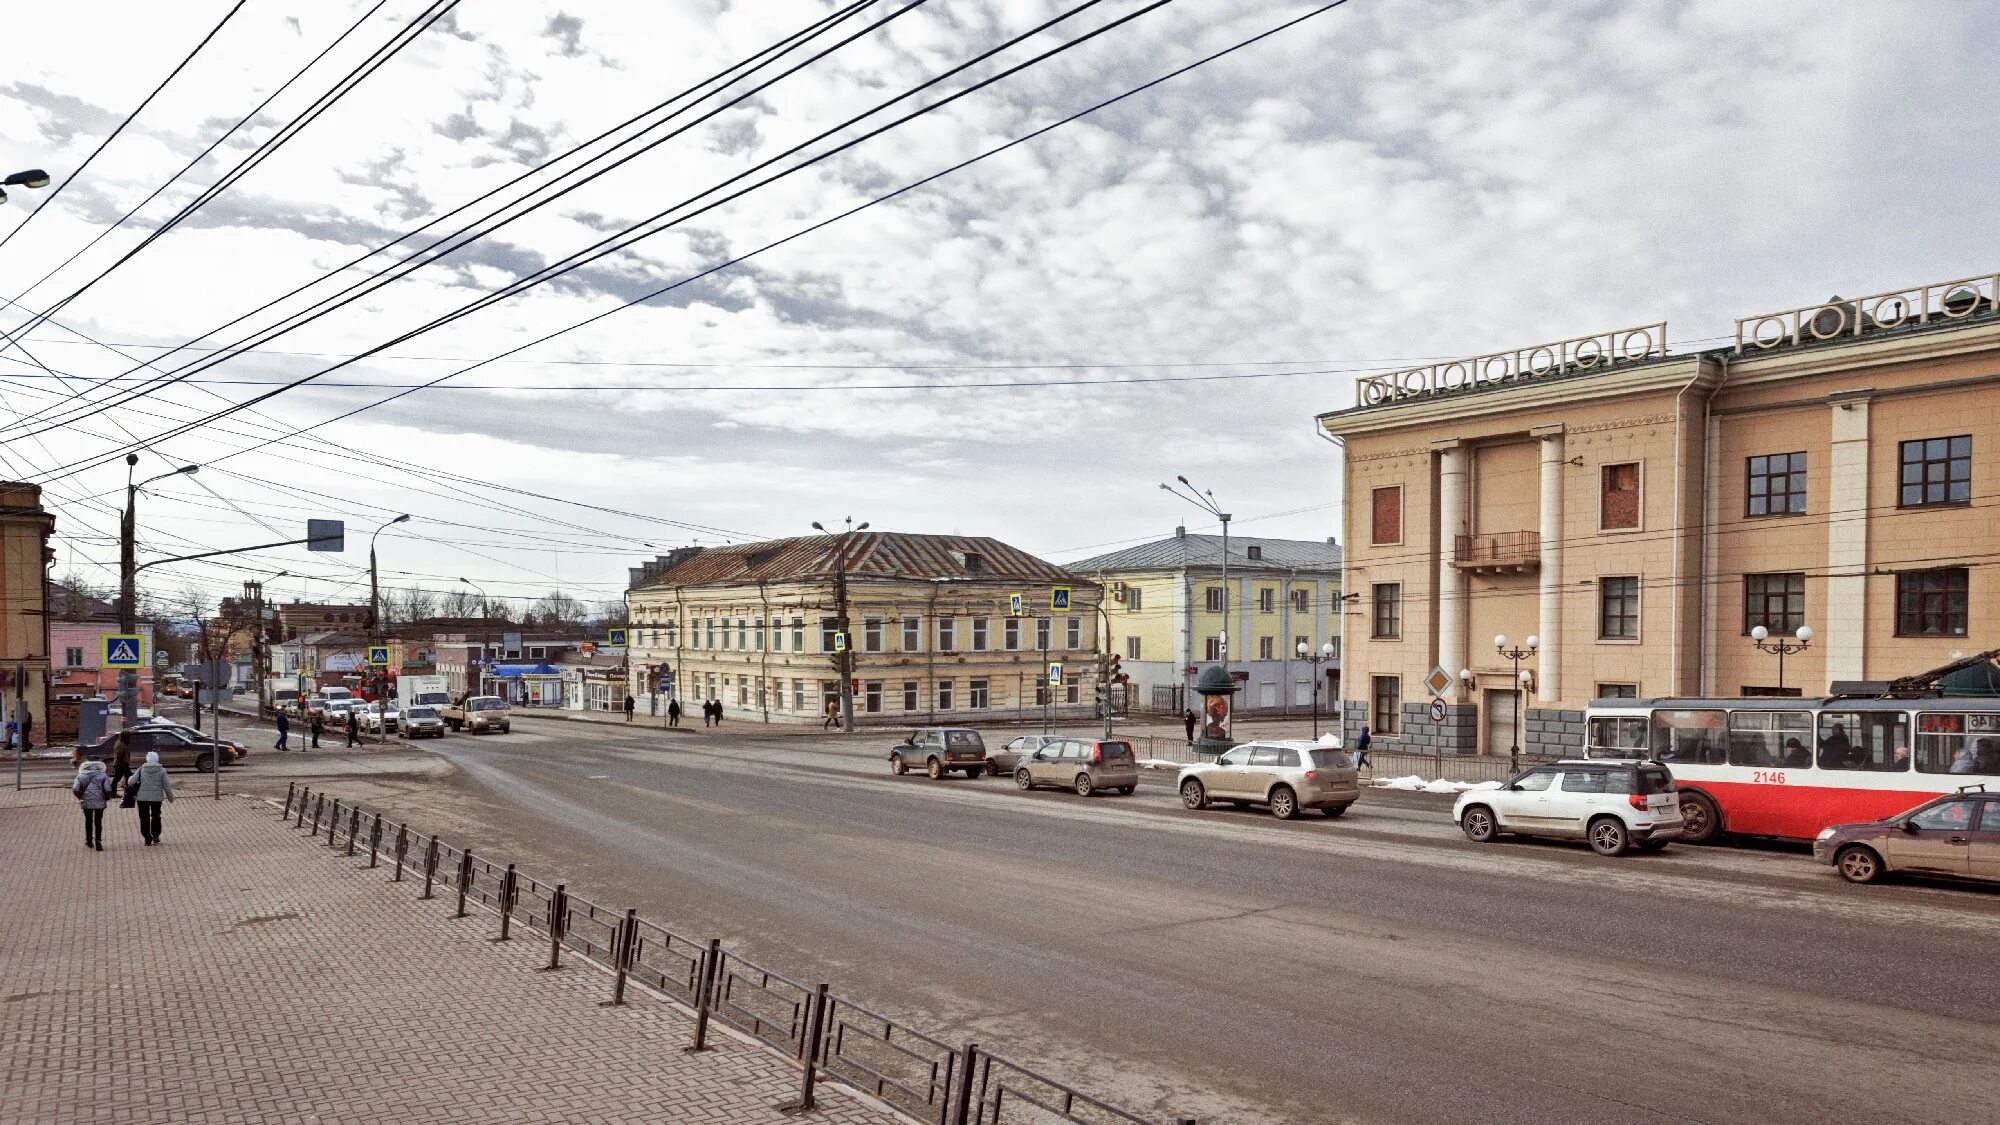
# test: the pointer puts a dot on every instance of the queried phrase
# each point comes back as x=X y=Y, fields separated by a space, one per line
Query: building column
x=1548 y=672
x=1453 y=521
x=1844 y=639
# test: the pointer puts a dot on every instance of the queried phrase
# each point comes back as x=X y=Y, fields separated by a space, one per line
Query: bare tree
x=70 y=596
x=459 y=602
x=558 y=608
x=410 y=605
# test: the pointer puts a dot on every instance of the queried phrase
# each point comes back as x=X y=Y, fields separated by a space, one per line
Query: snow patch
x=1159 y=764
x=1415 y=784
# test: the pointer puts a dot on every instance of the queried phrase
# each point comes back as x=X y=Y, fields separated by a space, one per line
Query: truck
x=284 y=693
x=422 y=691
x=477 y=713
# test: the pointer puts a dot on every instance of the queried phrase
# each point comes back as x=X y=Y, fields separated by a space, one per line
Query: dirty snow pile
x=1415 y=784
x=1159 y=764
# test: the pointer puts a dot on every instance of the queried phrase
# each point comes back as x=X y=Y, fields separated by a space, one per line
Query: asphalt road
x=1374 y=969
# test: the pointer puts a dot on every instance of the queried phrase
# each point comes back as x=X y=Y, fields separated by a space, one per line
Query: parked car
x=477 y=713
x=1003 y=760
x=176 y=750
x=1086 y=765
x=941 y=750
x=1284 y=776
x=1956 y=836
x=1612 y=804
x=423 y=722
x=380 y=717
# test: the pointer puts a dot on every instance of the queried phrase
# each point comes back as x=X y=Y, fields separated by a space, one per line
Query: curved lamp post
x=1316 y=659
x=1760 y=636
x=30 y=178
x=1516 y=655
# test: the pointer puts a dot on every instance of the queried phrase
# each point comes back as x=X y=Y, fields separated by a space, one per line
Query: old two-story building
x=1175 y=607
x=25 y=527
x=932 y=631
x=1826 y=478
x=523 y=666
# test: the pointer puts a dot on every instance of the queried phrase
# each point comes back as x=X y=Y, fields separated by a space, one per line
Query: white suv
x=1612 y=804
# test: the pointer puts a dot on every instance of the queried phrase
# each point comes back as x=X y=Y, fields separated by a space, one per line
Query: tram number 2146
x=1767 y=777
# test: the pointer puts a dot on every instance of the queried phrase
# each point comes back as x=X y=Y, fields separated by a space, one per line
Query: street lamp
x=1760 y=637
x=844 y=645
x=485 y=638
x=32 y=178
x=1324 y=654
x=128 y=571
x=1205 y=500
x=1516 y=655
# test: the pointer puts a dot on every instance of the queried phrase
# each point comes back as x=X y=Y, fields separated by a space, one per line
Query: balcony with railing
x=1501 y=552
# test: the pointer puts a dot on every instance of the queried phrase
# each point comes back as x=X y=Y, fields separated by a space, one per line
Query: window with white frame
x=1267 y=599
x=1042 y=628
x=1267 y=648
x=1073 y=633
x=944 y=695
x=947 y=634
x=871 y=695
x=742 y=634
x=1010 y=634
x=1212 y=648
x=913 y=634
x=871 y=634
x=1134 y=599
x=910 y=699
x=975 y=694
x=980 y=626
x=1301 y=600
x=1131 y=648
x=798 y=634
x=798 y=695
x=757 y=628
x=72 y=658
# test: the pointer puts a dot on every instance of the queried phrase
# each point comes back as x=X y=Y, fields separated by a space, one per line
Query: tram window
x=1958 y=743
x=1618 y=732
x=1770 y=739
x=1873 y=741
x=1689 y=736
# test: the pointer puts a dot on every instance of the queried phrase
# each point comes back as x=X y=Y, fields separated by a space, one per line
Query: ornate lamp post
x=1316 y=659
x=1760 y=637
x=1516 y=655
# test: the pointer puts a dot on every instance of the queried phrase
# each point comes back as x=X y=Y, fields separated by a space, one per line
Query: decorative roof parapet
x=1843 y=317
x=1636 y=344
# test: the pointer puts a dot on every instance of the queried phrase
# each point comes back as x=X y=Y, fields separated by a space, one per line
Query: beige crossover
x=1286 y=776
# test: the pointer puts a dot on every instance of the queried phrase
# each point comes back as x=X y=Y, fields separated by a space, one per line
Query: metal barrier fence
x=825 y=1036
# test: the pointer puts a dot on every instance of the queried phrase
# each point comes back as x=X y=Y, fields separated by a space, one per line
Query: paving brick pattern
x=238 y=973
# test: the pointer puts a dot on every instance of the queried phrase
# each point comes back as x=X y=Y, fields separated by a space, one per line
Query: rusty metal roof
x=870 y=554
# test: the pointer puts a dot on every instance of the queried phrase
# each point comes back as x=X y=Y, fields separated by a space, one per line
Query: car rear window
x=1655 y=781
x=964 y=740
x=1331 y=759
x=1116 y=751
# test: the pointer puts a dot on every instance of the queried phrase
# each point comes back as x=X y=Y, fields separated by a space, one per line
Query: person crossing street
x=353 y=728
x=284 y=731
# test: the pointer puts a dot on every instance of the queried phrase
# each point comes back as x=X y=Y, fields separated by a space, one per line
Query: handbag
x=131 y=794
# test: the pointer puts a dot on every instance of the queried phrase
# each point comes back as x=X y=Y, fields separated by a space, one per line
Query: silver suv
x=1614 y=805
x=1286 y=776
x=1087 y=765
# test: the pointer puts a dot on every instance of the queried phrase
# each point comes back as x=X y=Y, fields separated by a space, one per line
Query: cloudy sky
x=1023 y=348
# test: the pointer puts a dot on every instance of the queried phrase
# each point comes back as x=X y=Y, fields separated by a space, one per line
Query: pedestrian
x=718 y=712
x=1361 y=749
x=284 y=731
x=1188 y=720
x=121 y=760
x=27 y=730
x=315 y=723
x=832 y=716
x=92 y=788
x=673 y=712
x=154 y=786
x=630 y=705
x=353 y=728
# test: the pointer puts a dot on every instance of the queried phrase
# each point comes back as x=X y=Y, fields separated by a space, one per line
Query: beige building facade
x=1639 y=512
x=931 y=631
x=25 y=527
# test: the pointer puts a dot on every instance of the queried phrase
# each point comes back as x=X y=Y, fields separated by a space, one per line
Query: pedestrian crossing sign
x=121 y=650
x=378 y=654
x=1055 y=675
x=840 y=642
x=1059 y=597
x=615 y=638
x=1015 y=605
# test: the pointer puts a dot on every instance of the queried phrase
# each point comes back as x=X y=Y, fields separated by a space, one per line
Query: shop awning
x=522 y=671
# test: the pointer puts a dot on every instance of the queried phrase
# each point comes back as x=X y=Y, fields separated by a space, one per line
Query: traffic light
x=1114 y=672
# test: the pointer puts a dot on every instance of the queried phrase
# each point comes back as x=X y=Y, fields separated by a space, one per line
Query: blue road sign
x=1055 y=675
x=1015 y=605
x=121 y=650
x=1059 y=597
x=378 y=654
x=615 y=638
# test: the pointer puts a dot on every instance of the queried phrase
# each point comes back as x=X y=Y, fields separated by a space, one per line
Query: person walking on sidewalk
x=154 y=787
x=284 y=731
x=93 y=788
x=353 y=728
x=1361 y=749
x=315 y=723
x=1188 y=720
x=673 y=712
x=718 y=712
x=121 y=761
x=630 y=706
x=832 y=716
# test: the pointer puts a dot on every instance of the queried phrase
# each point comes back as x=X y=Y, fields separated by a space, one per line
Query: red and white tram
x=1790 y=767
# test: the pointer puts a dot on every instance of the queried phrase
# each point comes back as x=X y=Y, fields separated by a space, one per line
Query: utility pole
x=844 y=645
x=1205 y=500
x=128 y=581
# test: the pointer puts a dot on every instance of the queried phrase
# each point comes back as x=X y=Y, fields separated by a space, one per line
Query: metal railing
x=1850 y=317
x=1579 y=354
x=825 y=1036
x=1499 y=548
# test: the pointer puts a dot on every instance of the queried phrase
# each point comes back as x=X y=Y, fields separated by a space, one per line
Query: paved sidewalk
x=238 y=973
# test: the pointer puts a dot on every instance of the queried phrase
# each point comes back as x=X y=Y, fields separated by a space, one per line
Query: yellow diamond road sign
x=1439 y=681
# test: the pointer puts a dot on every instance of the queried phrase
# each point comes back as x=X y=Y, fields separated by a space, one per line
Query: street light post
x=845 y=645
x=1205 y=500
x=1760 y=636
x=485 y=639
x=31 y=178
x=1516 y=655
x=1316 y=659
x=128 y=577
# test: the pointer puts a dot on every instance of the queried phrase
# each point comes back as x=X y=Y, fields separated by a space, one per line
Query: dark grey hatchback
x=940 y=750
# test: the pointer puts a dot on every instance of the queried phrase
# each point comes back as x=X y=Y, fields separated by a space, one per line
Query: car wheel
x=1193 y=796
x=203 y=763
x=1284 y=803
x=934 y=768
x=992 y=769
x=897 y=765
x=1701 y=821
x=1022 y=779
x=1126 y=790
x=1859 y=864
x=1083 y=785
x=1608 y=836
x=1333 y=810
x=1479 y=825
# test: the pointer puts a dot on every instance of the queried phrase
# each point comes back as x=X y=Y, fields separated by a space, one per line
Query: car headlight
x=1825 y=834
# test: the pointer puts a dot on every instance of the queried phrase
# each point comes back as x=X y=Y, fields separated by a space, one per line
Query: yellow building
x=25 y=527
x=1639 y=513
x=1173 y=609
x=931 y=631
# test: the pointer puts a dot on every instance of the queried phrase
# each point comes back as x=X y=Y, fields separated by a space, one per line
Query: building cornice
x=1529 y=399
x=1864 y=353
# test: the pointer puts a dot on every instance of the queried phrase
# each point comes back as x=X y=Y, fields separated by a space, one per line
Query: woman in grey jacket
x=154 y=786
x=93 y=787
